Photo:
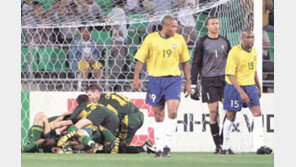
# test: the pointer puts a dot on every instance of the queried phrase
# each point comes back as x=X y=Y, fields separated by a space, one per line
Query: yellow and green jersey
x=84 y=109
x=242 y=64
x=118 y=103
x=163 y=55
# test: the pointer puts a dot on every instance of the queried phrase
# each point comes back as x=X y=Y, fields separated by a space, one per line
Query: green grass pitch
x=146 y=160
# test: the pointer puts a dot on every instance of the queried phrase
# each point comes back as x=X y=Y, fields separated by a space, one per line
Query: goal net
x=68 y=45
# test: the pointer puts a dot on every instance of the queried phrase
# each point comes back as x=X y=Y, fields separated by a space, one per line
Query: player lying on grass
x=130 y=117
x=87 y=117
x=47 y=129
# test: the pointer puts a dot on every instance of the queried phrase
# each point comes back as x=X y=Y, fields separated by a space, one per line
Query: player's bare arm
x=59 y=124
x=83 y=123
x=242 y=93
x=258 y=84
x=185 y=67
x=136 y=81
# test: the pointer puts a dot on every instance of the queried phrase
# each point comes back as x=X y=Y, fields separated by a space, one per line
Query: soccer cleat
x=68 y=151
x=59 y=151
x=264 y=150
x=158 y=154
x=218 y=150
x=94 y=148
x=166 y=152
x=116 y=143
x=228 y=151
x=150 y=147
x=62 y=150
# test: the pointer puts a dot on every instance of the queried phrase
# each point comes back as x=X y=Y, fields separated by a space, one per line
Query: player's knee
x=39 y=117
x=159 y=116
x=213 y=116
x=172 y=115
x=257 y=113
x=231 y=118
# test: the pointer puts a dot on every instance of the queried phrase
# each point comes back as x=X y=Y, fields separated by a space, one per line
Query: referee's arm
x=197 y=62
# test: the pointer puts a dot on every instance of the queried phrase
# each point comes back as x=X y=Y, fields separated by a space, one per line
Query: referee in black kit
x=209 y=62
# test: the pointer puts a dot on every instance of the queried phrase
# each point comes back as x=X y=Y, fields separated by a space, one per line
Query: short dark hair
x=83 y=98
x=93 y=88
x=167 y=19
x=211 y=17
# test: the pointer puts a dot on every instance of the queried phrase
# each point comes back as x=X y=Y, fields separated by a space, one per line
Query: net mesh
x=68 y=45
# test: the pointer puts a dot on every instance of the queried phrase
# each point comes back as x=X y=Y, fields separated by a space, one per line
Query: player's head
x=93 y=93
x=213 y=25
x=247 y=38
x=169 y=26
x=83 y=98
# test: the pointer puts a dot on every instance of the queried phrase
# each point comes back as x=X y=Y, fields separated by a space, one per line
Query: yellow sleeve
x=184 y=52
x=143 y=52
x=231 y=63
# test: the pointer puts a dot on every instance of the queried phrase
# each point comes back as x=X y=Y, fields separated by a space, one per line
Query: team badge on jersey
x=255 y=57
x=222 y=47
x=174 y=46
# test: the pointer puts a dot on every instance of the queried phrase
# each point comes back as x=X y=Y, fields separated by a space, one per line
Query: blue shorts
x=89 y=131
x=233 y=101
x=161 y=89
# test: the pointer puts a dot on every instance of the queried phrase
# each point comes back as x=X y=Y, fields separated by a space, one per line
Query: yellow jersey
x=163 y=55
x=242 y=64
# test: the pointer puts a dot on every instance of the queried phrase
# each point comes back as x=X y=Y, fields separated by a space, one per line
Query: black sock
x=215 y=134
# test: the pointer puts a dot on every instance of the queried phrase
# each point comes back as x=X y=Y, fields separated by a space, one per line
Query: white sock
x=258 y=137
x=159 y=135
x=226 y=134
x=170 y=129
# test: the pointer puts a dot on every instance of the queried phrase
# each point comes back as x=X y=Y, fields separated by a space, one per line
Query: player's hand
x=101 y=128
x=259 y=93
x=187 y=89
x=245 y=97
x=136 y=84
x=67 y=113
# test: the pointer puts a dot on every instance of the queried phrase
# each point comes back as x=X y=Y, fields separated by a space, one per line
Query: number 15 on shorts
x=234 y=103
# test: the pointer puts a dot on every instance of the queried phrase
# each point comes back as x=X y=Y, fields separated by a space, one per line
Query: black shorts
x=212 y=89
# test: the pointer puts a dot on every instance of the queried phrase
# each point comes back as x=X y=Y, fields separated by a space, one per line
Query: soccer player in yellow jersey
x=163 y=51
x=243 y=87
